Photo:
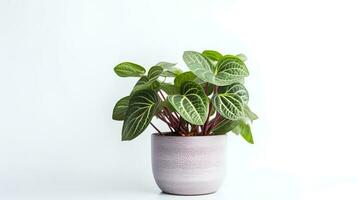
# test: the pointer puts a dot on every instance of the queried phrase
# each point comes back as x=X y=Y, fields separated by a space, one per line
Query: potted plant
x=198 y=106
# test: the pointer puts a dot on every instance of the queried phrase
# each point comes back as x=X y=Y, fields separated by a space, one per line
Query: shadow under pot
x=191 y=165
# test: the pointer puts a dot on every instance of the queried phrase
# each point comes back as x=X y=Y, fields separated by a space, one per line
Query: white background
x=58 y=88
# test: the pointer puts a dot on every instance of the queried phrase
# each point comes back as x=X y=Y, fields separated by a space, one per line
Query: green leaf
x=230 y=100
x=210 y=87
x=203 y=84
x=145 y=83
x=199 y=65
x=169 y=69
x=213 y=55
x=250 y=114
x=186 y=76
x=236 y=88
x=244 y=130
x=141 y=84
x=163 y=104
x=141 y=109
x=224 y=126
x=242 y=57
x=240 y=80
x=128 y=69
x=246 y=133
x=228 y=70
x=154 y=73
x=192 y=104
x=155 y=85
x=169 y=88
x=236 y=130
x=213 y=111
x=171 y=73
x=166 y=65
x=120 y=108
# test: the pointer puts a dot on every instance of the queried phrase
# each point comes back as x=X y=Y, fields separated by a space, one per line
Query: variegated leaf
x=171 y=73
x=166 y=65
x=120 y=108
x=186 y=76
x=154 y=73
x=244 y=130
x=169 y=69
x=169 y=89
x=224 y=126
x=145 y=83
x=213 y=55
x=242 y=57
x=230 y=101
x=228 y=70
x=250 y=114
x=128 y=69
x=192 y=104
x=141 y=109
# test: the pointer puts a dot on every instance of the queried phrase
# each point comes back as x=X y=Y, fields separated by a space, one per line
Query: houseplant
x=198 y=107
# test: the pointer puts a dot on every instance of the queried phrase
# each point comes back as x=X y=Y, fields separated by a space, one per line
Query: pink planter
x=188 y=165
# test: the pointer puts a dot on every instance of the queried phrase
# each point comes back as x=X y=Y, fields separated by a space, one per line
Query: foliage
x=210 y=99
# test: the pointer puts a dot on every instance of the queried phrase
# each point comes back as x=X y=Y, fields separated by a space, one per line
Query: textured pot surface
x=188 y=165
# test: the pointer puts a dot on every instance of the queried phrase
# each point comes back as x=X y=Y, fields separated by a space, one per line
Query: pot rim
x=193 y=136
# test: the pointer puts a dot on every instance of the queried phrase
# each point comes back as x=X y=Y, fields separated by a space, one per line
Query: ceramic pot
x=191 y=165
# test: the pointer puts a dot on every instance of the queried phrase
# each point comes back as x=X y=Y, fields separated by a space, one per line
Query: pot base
x=189 y=187
x=188 y=194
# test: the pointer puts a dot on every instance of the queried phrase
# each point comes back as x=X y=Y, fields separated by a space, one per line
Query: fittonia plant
x=210 y=99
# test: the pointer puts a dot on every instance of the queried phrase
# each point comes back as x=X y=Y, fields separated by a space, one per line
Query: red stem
x=184 y=124
x=156 y=128
x=176 y=115
x=168 y=123
x=214 y=122
x=160 y=116
x=174 y=122
x=162 y=95
x=169 y=116
x=215 y=89
x=206 y=123
x=206 y=88
x=173 y=118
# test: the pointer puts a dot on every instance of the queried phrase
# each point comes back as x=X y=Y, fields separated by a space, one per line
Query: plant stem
x=156 y=128
x=214 y=122
x=181 y=122
x=166 y=121
x=215 y=89
x=162 y=95
x=176 y=115
x=171 y=120
x=206 y=88
x=185 y=125
x=206 y=123
x=171 y=117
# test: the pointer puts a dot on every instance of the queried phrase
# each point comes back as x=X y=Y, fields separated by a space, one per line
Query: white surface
x=57 y=139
